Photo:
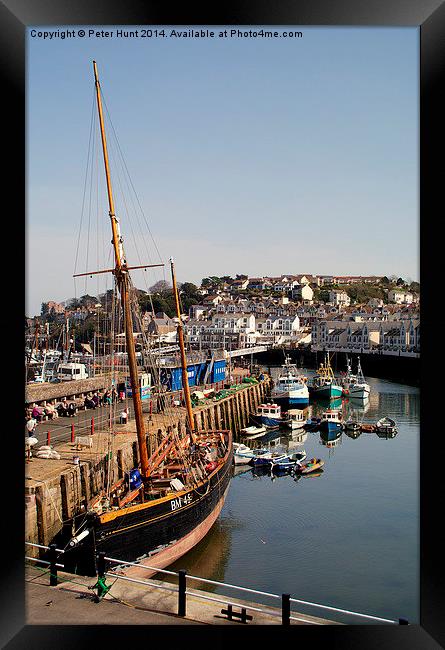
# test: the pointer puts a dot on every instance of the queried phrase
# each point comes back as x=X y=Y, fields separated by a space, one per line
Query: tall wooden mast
x=185 y=381
x=123 y=282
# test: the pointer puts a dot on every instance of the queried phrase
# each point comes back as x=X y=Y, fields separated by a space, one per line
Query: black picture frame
x=429 y=16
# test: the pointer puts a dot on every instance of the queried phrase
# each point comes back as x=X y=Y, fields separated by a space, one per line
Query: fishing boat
x=290 y=388
x=168 y=503
x=324 y=384
x=311 y=466
x=385 y=425
x=331 y=420
x=296 y=419
x=355 y=386
x=269 y=416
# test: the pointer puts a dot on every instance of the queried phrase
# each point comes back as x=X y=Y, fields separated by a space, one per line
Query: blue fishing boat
x=269 y=416
x=331 y=420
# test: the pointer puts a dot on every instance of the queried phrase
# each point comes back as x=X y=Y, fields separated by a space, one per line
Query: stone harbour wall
x=56 y=490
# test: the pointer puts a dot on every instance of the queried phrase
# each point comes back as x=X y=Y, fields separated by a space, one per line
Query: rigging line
x=92 y=121
x=116 y=166
x=126 y=210
x=95 y=151
x=129 y=177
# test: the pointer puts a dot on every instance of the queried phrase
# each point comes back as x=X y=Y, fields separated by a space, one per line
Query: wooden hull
x=157 y=532
x=177 y=550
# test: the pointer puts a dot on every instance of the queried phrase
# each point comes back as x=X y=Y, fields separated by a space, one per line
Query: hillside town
x=366 y=314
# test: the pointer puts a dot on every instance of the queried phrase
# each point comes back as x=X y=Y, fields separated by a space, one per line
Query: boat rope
x=147 y=226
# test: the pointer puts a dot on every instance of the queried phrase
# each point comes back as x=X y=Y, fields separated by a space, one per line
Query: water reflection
x=330 y=439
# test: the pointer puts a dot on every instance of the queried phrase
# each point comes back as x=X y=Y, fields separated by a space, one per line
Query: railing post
x=182 y=583
x=48 y=438
x=72 y=433
x=92 y=426
x=285 y=609
x=52 y=567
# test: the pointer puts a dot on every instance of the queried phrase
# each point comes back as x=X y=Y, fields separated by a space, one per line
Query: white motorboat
x=296 y=419
x=253 y=432
x=242 y=454
x=290 y=388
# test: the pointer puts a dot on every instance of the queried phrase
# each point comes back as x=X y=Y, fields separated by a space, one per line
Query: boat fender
x=78 y=538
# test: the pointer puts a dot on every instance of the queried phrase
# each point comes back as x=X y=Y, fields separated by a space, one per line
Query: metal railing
x=285 y=614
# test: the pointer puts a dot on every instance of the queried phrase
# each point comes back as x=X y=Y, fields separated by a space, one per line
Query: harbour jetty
x=57 y=490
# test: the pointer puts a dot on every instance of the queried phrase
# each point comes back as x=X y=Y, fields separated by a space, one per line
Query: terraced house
x=388 y=337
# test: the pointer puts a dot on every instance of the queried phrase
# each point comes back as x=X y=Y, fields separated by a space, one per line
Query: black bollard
x=182 y=584
x=101 y=564
x=285 y=609
x=52 y=566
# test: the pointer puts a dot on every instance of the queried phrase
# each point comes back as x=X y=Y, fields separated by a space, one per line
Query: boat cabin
x=269 y=410
x=297 y=415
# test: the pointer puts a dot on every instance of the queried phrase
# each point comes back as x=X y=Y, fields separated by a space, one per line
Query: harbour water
x=348 y=538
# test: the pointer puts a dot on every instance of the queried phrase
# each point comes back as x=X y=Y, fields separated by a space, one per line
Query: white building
x=400 y=297
x=339 y=297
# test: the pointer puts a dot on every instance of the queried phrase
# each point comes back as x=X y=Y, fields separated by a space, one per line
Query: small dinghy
x=311 y=466
x=253 y=432
x=242 y=454
x=352 y=425
x=268 y=458
x=386 y=425
x=312 y=424
x=288 y=462
x=367 y=428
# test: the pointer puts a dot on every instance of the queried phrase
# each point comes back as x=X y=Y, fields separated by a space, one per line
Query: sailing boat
x=324 y=384
x=170 y=501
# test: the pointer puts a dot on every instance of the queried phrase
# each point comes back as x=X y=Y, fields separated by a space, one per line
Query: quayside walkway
x=72 y=602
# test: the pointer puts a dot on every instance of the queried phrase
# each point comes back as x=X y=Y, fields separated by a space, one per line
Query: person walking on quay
x=31 y=426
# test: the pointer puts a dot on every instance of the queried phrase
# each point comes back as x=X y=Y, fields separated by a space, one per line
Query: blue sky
x=256 y=156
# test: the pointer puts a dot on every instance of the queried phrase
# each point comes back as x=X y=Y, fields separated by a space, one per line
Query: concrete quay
x=72 y=602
